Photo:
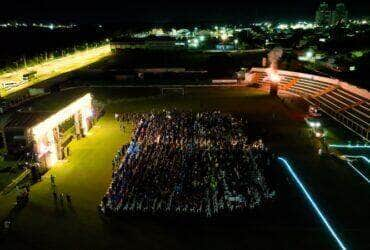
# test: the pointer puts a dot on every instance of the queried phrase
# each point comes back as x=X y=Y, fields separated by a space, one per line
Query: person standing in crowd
x=61 y=198
x=52 y=180
x=180 y=162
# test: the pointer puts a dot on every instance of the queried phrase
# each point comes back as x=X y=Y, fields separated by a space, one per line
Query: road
x=53 y=68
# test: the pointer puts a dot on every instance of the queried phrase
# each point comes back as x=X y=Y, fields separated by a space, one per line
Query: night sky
x=162 y=11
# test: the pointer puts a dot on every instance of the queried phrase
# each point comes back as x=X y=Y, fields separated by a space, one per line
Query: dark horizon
x=144 y=11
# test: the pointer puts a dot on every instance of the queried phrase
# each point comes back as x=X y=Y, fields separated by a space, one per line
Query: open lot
x=287 y=223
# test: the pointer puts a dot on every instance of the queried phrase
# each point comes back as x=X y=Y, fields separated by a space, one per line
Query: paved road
x=53 y=68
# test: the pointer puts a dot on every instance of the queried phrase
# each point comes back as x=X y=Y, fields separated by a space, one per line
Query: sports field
x=288 y=223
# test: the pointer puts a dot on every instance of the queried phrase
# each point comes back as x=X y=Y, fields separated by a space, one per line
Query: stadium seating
x=349 y=108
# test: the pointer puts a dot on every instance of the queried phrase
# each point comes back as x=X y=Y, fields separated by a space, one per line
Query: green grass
x=7 y=177
x=87 y=174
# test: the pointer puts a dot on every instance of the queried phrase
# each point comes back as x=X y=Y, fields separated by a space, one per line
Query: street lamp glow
x=315 y=124
x=53 y=68
x=309 y=54
x=224 y=36
x=312 y=202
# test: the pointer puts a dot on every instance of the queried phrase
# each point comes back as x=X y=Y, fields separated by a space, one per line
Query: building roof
x=143 y=40
x=21 y=120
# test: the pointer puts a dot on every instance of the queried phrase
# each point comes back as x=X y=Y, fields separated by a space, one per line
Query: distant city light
x=319 y=134
x=283 y=26
x=224 y=37
x=307 y=57
x=193 y=43
x=314 y=124
x=309 y=54
x=312 y=202
x=50 y=26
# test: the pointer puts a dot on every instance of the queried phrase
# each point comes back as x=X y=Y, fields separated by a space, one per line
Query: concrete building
x=323 y=15
x=340 y=15
x=326 y=16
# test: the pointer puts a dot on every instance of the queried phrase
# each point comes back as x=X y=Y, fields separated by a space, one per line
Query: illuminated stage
x=48 y=135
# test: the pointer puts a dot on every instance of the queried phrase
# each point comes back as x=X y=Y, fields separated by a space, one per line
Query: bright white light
x=81 y=104
x=43 y=133
x=318 y=134
x=272 y=75
x=54 y=67
x=313 y=203
x=309 y=54
x=236 y=41
x=315 y=124
x=224 y=36
x=283 y=26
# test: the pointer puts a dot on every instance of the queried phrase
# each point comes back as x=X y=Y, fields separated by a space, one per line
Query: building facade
x=326 y=17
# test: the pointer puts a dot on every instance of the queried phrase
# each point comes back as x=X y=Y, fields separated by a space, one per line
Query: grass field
x=289 y=223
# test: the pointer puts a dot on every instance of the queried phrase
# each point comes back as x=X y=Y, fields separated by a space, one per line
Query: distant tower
x=340 y=14
x=323 y=15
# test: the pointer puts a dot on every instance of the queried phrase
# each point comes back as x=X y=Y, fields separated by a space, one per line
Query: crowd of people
x=184 y=163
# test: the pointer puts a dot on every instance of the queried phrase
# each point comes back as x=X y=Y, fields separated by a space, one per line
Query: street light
x=309 y=54
x=224 y=36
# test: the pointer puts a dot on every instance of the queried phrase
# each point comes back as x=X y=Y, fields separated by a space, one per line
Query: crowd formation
x=188 y=163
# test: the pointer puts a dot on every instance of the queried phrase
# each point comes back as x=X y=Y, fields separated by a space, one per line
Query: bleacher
x=350 y=109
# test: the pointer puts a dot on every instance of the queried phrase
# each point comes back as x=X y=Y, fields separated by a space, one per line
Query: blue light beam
x=348 y=146
x=313 y=203
x=358 y=172
x=358 y=157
